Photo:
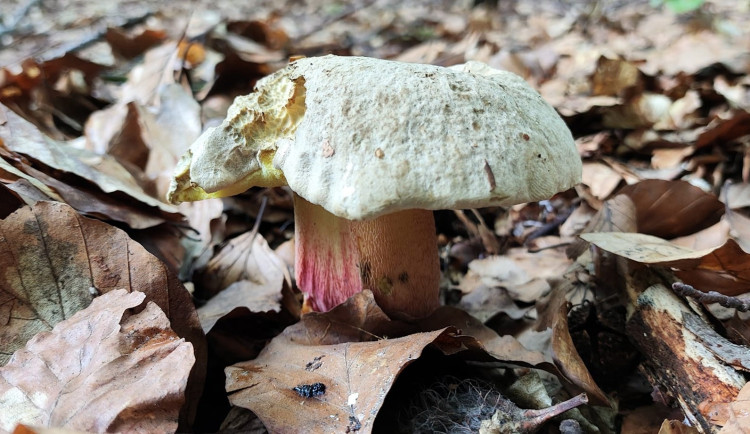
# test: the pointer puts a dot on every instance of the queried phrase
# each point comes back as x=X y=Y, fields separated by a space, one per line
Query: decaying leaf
x=105 y=173
x=149 y=137
x=734 y=416
x=725 y=269
x=324 y=380
x=259 y=290
x=53 y=262
x=601 y=179
x=554 y=318
x=100 y=371
x=246 y=257
x=616 y=215
x=522 y=273
x=670 y=209
x=356 y=349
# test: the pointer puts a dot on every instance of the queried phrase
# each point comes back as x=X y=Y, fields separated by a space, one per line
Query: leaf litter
x=100 y=370
x=657 y=100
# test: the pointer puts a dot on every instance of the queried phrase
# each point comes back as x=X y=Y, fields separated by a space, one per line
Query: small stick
x=711 y=297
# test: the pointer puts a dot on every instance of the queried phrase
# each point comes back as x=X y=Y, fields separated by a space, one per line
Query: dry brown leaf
x=553 y=317
x=8 y=174
x=259 y=290
x=207 y=219
x=53 y=262
x=24 y=429
x=739 y=227
x=124 y=200
x=522 y=273
x=616 y=215
x=735 y=124
x=601 y=179
x=690 y=52
x=356 y=372
x=643 y=111
x=738 y=94
x=709 y=238
x=483 y=301
x=667 y=158
x=733 y=416
x=725 y=269
x=130 y=46
x=346 y=350
x=613 y=76
x=577 y=220
x=96 y=371
x=670 y=209
x=151 y=138
x=237 y=261
x=736 y=195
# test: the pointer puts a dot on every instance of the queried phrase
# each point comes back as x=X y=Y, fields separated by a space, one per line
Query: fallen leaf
x=736 y=195
x=709 y=238
x=100 y=371
x=613 y=76
x=483 y=301
x=522 y=273
x=259 y=291
x=151 y=138
x=725 y=129
x=246 y=257
x=103 y=171
x=354 y=374
x=693 y=51
x=53 y=262
x=553 y=316
x=733 y=416
x=130 y=46
x=207 y=219
x=356 y=352
x=8 y=173
x=739 y=227
x=616 y=215
x=670 y=209
x=725 y=269
x=601 y=179
x=666 y=158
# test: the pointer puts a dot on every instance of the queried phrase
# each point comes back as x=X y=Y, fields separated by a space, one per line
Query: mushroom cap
x=364 y=137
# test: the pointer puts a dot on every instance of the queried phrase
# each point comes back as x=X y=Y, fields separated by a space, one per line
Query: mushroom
x=370 y=147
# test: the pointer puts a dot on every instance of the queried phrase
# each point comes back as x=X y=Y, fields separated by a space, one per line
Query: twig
x=711 y=297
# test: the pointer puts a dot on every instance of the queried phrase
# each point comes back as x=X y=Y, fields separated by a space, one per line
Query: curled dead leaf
x=53 y=262
x=725 y=269
x=670 y=209
x=100 y=371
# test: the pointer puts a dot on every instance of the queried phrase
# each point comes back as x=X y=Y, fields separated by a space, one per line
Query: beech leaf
x=725 y=269
x=100 y=370
x=670 y=209
x=54 y=261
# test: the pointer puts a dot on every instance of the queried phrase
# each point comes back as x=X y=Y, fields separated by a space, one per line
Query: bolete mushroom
x=370 y=147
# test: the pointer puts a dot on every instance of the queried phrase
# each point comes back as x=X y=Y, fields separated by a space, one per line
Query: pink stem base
x=395 y=256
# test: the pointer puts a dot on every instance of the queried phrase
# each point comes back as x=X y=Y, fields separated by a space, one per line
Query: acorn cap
x=364 y=137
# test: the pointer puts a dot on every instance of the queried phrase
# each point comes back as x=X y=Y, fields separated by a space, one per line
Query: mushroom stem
x=394 y=256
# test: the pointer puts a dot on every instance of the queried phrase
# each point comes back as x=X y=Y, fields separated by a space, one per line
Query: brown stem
x=395 y=256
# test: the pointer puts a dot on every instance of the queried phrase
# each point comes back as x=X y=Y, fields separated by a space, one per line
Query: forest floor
x=631 y=287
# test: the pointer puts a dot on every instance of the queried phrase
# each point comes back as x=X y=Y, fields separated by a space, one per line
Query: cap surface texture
x=364 y=137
